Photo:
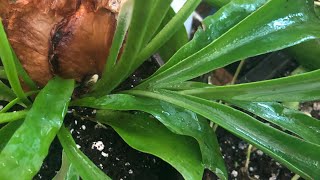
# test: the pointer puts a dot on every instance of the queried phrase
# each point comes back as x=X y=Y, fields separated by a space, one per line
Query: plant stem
x=9 y=105
x=235 y=77
x=197 y=16
x=295 y=177
x=16 y=101
x=246 y=166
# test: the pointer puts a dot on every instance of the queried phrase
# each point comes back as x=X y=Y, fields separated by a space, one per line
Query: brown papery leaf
x=69 y=38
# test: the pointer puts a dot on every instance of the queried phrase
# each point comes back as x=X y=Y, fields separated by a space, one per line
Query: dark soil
x=115 y=157
x=261 y=166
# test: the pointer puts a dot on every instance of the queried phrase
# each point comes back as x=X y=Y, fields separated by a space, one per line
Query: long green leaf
x=6 y=94
x=178 y=120
x=189 y=85
x=299 y=156
x=124 y=19
x=135 y=53
x=84 y=166
x=213 y=27
x=179 y=39
x=217 y=3
x=16 y=101
x=67 y=170
x=12 y=116
x=24 y=153
x=156 y=14
x=149 y=136
x=10 y=67
x=7 y=131
x=159 y=11
x=307 y=54
x=134 y=42
x=2 y=73
x=280 y=27
x=301 y=87
x=297 y=122
x=168 y=31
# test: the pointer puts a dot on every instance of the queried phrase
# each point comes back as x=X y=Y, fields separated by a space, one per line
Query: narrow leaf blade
x=299 y=156
x=301 y=87
x=12 y=116
x=24 y=153
x=84 y=166
x=297 y=122
x=213 y=27
x=67 y=170
x=10 y=67
x=6 y=94
x=134 y=43
x=179 y=39
x=7 y=131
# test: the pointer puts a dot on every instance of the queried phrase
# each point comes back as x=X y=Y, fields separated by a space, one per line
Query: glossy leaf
x=297 y=122
x=179 y=39
x=299 y=156
x=288 y=24
x=301 y=87
x=213 y=27
x=158 y=13
x=189 y=85
x=7 y=131
x=2 y=73
x=86 y=168
x=217 y=3
x=168 y=31
x=135 y=51
x=24 y=153
x=12 y=116
x=178 y=120
x=147 y=135
x=124 y=19
x=307 y=54
x=6 y=94
x=134 y=42
x=10 y=67
x=67 y=170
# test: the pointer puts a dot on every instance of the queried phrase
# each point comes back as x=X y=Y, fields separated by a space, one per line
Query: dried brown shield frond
x=69 y=38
